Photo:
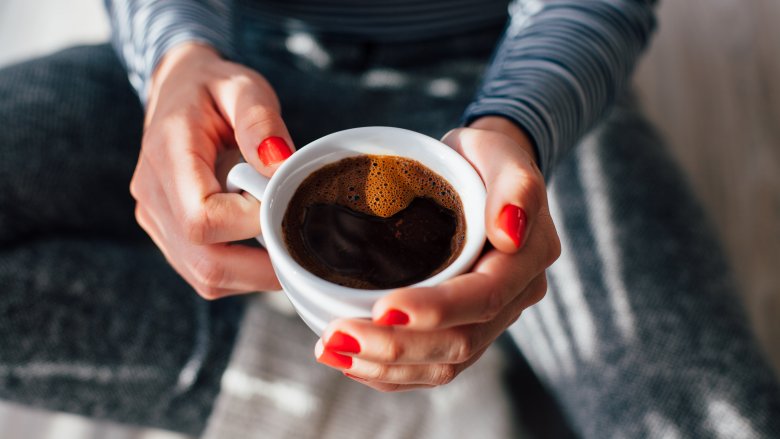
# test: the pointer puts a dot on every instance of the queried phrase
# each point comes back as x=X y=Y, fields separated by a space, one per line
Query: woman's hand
x=424 y=337
x=200 y=108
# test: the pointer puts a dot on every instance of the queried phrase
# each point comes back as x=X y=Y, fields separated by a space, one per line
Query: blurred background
x=710 y=83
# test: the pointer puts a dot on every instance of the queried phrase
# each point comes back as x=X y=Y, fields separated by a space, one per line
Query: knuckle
x=208 y=292
x=393 y=351
x=514 y=319
x=379 y=373
x=208 y=272
x=196 y=226
x=543 y=285
x=435 y=316
x=444 y=374
x=539 y=291
x=493 y=304
x=139 y=216
x=135 y=188
x=258 y=118
x=463 y=347
x=554 y=250
x=150 y=139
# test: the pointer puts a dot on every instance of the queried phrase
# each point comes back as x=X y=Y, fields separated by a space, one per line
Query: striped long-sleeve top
x=557 y=69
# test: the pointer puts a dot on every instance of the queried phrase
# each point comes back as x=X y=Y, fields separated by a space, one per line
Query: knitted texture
x=641 y=333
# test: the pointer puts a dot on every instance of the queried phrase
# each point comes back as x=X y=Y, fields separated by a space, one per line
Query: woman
x=633 y=338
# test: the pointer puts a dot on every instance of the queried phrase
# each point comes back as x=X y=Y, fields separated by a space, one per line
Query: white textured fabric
x=273 y=388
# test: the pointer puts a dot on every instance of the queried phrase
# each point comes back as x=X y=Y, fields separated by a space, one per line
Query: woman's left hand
x=424 y=337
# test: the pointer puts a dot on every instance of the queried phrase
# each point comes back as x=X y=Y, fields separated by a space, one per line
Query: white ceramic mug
x=316 y=300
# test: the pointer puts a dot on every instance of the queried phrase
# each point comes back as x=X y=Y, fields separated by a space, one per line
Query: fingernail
x=342 y=342
x=333 y=359
x=273 y=150
x=393 y=317
x=512 y=221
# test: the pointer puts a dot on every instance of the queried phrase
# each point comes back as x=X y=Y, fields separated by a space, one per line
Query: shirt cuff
x=167 y=25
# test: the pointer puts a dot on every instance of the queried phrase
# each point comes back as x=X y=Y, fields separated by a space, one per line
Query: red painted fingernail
x=333 y=359
x=512 y=221
x=342 y=342
x=393 y=317
x=273 y=150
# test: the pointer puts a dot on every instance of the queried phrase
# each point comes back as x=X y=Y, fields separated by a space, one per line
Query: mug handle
x=243 y=177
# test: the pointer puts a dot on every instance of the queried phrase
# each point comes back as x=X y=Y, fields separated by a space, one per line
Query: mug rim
x=284 y=262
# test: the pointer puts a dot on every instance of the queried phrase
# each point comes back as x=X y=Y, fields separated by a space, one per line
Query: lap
x=71 y=134
x=107 y=330
x=642 y=332
x=92 y=318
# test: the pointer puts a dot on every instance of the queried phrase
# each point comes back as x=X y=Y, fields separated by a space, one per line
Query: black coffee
x=374 y=222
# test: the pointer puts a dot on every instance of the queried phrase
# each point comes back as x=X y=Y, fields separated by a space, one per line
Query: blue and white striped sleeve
x=559 y=67
x=144 y=30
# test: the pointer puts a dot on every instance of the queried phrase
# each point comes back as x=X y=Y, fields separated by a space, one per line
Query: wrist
x=186 y=54
x=508 y=128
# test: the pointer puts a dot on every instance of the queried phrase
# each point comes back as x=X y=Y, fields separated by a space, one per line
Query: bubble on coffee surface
x=376 y=185
x=418 y=227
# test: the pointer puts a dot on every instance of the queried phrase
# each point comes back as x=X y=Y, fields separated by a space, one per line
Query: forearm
x=559 y=68
x=144 y=30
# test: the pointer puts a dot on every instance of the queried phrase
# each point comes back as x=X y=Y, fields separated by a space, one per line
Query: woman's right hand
x=201 y=108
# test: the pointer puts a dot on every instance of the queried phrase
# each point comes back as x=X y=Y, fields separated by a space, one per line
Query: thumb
x=515 y=188
x=252 y=110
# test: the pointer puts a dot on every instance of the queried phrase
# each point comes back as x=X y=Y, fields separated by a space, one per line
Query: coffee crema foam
x=385 y=188
x=389 y=185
